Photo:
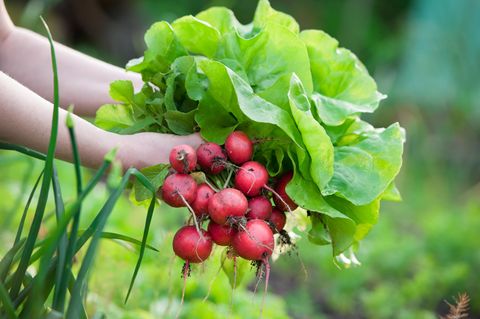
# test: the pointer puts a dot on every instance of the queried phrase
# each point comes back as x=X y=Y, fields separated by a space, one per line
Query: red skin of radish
x=259 y=207
x=239 y=147
x=229 y=202
x=280 y=189
x=279 y=219
x=251 y=177
x=190 y=246
x=200 y=204
x=255 y=242
x=183 y=158
x=177 y=185
x=221 y=234
x=211 y=158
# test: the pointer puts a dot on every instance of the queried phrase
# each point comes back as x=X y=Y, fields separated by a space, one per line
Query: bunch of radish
x=234 y=198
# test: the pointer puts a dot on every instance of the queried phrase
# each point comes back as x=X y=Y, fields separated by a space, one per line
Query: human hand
x=148 y=149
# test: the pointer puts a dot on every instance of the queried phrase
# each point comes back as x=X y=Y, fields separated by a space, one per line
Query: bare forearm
x=25 y=119
x=84 y=81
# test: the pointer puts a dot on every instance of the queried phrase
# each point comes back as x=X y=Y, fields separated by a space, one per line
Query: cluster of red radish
x=235 y=198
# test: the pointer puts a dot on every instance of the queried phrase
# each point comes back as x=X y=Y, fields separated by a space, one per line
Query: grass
x=26 y=294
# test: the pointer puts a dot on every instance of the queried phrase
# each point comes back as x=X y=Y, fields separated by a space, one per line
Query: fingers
x=194 y=140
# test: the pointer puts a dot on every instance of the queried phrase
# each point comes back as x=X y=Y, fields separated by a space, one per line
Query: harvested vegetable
x=297 y=94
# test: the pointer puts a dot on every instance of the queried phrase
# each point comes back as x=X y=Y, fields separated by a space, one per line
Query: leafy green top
x=298 y=90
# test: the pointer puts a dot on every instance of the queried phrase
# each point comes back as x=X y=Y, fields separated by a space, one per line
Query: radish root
x=197 y=226
x=185 y=274
x=278 y=196
x=265 y=264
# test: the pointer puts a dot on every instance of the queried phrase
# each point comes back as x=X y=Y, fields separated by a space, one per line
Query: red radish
x=178 y=190
x=239 y=147
x=229 y=202
x=200 y=204
x=255 y=241
x=251 y=178
x=211 y=158
x=221 y=234
x=283 y=201
x=192 y=247
x=259 y=207
x=183 y=158
x=278 y=219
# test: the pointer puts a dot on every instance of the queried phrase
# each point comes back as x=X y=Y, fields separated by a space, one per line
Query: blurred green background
x=425 y=54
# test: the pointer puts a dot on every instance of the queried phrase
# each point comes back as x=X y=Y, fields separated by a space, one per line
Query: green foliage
x=156 y=175
x=423 y=251
x=420 y=254
x=342 y=84
x=297 y=90
x=25 y=294
x=375 y=161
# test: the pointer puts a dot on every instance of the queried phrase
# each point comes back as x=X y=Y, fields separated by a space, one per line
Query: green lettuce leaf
x=296 y=93
x=197 y=36
x=364 y=216
x=215 y=122
x=229 y=91
x=114 y=117
x=163 y=47
x=265 y=57
x=342 y=84
x=155 y=175
x=316 y=140
x=392 y=193
x=223 y=20
x=329 y=225
x=122 y=91
x=266 y=14
x=363 y=171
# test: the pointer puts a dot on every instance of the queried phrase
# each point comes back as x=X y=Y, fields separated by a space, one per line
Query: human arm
x=25 y=119
x=84 y=81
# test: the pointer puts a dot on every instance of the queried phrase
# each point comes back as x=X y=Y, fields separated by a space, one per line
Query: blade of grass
x=91 y=229
x=55 y=234
x=36 y=298
x=64 y=269
x=142 y=179
x=71 y=283
x=42 y=202
x=70 y=208
x=31 y=291
x=23 y=150
x=7 y=260
x=95 y=229
x=25 y=293
x=62 y=244
x=128 y=239
x=23 y=189
x=142 y=247
x=7 y=305
x=125 y=238
x=24 y=215
x=76 y=299
x=36 y=255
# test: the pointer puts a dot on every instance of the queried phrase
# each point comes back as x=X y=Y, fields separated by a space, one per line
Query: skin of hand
x=25 y=116
x=84 y=81
x=25 y=119
x=158 y=149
